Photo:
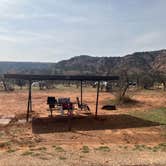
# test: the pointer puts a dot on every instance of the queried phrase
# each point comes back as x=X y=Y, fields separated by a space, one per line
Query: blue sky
x=52 y=30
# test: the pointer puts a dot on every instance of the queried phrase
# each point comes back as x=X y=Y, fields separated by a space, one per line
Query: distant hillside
x=24 y=67
x=134 y=63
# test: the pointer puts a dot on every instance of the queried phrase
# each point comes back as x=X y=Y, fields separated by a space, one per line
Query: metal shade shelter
x=80 y=78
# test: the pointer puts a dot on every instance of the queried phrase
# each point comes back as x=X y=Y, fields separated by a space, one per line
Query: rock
x=21 y=121
x=109 y=107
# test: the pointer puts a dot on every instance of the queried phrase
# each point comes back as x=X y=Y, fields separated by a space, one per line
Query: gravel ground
x=92 y=158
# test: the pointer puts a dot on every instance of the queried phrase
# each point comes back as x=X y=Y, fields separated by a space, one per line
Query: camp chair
x=62 y=101
x=82 y=106
x=51 y=101
x=66 y=104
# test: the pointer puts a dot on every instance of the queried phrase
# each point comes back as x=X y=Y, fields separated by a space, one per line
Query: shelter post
x=81 y=95
x=97 y=98
x=29 y=107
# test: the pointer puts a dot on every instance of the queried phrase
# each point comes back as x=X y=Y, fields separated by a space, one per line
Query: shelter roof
x=61 y=77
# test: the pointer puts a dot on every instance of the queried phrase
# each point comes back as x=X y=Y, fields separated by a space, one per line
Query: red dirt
x=112 y=127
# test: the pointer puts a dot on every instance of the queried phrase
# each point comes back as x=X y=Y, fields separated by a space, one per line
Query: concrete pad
x=7 y=116
x=5 y=121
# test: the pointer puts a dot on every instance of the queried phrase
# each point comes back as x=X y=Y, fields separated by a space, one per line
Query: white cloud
x=7 y=39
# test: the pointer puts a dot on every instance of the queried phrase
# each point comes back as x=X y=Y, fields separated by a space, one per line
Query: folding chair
x=82 y=106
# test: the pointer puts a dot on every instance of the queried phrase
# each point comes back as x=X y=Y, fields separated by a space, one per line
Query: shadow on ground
x=85 y=123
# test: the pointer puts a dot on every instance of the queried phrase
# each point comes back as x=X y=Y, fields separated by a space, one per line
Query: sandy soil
x=92 y=158
x=112 y=129
x=16 y=102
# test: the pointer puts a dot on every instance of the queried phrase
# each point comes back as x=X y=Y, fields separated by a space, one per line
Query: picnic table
x=62 y=104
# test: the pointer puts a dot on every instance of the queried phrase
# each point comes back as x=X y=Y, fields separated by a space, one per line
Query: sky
x=53 y=30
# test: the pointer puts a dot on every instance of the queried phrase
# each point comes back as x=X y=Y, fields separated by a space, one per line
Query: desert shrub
x=124 y=100
x=146 y=81
x=103 y=148
x=85 y=149
x=27 y=153
x=58 y=148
